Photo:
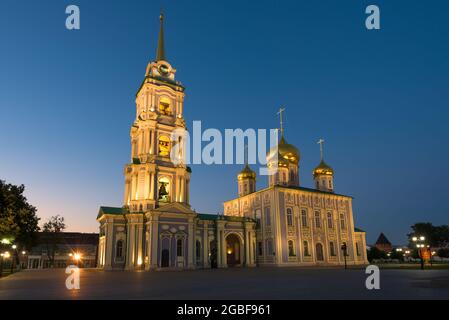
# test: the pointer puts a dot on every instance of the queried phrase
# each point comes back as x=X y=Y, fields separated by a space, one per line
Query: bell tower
x=323 y=174
x=153 y=179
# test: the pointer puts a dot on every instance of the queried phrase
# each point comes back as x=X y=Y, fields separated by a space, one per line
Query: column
x=191 y=244
x=139 y=259
x=247 y=245
x=154 y=242
x=152 y=185
x=205 y=245
x=126 y=195
x=109 y=247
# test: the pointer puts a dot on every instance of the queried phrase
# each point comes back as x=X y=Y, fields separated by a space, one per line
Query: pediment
x=175 y=207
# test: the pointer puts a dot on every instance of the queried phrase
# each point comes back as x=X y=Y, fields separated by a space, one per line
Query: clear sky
x=378 y=98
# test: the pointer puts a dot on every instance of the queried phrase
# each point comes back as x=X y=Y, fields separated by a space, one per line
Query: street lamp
x=420 y=245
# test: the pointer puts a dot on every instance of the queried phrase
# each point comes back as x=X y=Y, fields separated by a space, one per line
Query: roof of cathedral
x=246 y=173
x=323 y=169
x=358 y=230
x=109 y=210
x=382 y=239
x=206 y=216
x=286 y=151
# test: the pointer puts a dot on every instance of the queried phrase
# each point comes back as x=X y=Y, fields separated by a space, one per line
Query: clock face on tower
x=163 y=69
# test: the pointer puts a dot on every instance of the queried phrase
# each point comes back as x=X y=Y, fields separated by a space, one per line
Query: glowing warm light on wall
x=6 y=254
x=229 y=251
x=77 y=256
x=139 y=261
x=5 y=241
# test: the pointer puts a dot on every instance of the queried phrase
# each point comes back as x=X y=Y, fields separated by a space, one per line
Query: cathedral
x=283 y=224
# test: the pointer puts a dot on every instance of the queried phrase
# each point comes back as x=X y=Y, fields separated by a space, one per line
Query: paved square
x=236 y=283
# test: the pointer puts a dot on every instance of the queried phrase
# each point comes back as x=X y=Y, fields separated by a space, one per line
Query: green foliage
x=18 y=219
x=443 y=253
x=397 y=255
x=52 y=229
x=436 y=236
x=374 y=253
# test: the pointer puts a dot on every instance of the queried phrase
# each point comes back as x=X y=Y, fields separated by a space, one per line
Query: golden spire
x=160 y=52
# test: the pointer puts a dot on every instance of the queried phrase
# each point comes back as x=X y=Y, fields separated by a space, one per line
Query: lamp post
x=344 y=248
x=420 y=240
x=1 y=264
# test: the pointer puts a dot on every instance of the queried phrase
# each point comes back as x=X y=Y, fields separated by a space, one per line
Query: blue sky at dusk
x=380 y=99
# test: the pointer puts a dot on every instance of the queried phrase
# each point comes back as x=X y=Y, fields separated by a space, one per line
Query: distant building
x=383 y=243
x=71 y=248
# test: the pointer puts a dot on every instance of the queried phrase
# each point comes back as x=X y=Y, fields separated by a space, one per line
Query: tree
x=18 y=219
x=375 y=253
x=52 y=235
x=436 y=236
x=443 y=253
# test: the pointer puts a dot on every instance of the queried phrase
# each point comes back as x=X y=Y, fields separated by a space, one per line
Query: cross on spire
x=280 y=112
x=321 y=142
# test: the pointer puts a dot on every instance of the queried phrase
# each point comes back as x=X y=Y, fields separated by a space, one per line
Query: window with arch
x=332 y=248
x=164 y=106
x=304 y=218
x=291 y=249
x=164 y=146
x=330 y=184
x=342 y=221
x=119 y=249
x=164 y=189
x=317 y=220
x=289 y=217
x=258 y=217
x=357 y=248
x=330 y=221
x=306 y=249
x=267 y=217
x=179 y=248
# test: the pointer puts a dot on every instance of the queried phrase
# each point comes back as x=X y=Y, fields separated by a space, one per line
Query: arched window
x=258 y=217
x=119 y=249
x=164 y=106
x=179 y=249
x=306 y=249
x=332 y=248
x=289 y=217
x=164 y=190
x=330 y=222
x=357 y=248
x=330 y=184
x=164 y=146
x=317 y=220
x=267 y=217
x=291 y=249
x=342 y=221
x=304 y=217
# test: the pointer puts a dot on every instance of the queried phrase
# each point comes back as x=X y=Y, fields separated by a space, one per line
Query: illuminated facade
x=156 y=227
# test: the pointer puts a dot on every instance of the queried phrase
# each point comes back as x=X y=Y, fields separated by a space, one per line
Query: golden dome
x=246 y=173
x=282 y=162
x=286 y=151
x=323 y=169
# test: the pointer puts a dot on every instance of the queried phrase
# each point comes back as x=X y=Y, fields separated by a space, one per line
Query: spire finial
x=280 y=112
x=160 y=52
x=245 y=155
x=321 y=142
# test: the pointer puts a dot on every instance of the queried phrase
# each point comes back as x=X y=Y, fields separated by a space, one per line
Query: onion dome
x=282 y=161
x=323 y=169
x=246 y=173
x=286 y=151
